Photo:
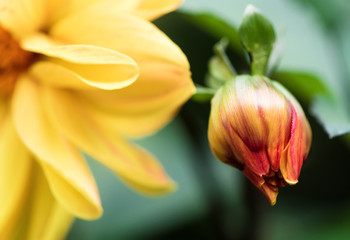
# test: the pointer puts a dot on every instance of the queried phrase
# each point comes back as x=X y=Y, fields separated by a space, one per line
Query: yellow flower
x=80 y=75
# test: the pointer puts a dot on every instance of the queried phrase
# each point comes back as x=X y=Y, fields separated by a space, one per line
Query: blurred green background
x=215 y=201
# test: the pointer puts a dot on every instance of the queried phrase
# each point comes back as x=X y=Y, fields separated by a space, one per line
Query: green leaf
x=303 y=85
x=331 y=13
x=258 y=37
x=333 y=114
x=329 y=108
x=216 y=27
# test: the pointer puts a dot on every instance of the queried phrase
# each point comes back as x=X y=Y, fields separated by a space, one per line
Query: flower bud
x=257 y=126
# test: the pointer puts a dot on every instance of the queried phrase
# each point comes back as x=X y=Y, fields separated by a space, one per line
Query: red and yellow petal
x=299 y=144
x=268 y=190
x=294 y=154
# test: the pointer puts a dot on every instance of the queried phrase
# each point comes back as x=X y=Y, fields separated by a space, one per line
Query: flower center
x=13 y=61
x=274 y=179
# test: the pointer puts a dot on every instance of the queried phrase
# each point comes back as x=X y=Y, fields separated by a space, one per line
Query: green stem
x=259 y=63
x=203 y=94
x=252 y=230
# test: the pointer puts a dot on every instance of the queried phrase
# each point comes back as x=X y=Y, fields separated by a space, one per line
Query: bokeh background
x=215 y=201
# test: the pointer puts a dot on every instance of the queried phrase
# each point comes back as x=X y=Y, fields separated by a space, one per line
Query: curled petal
x=57 y=76
x=299 y=144
x=79 y=125
x=96 y=66
x=294 y=155
x=69 y=177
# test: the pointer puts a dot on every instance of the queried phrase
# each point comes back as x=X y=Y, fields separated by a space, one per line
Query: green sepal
x=220 y=67
x=257 y=37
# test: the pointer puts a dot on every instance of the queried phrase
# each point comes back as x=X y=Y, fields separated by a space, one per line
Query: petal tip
x=167 y=188
x=273 y=202
x=291 y=181
x=270 y=193
x=93 y=215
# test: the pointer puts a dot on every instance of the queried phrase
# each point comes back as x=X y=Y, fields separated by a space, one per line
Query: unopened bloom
x=257 y=126
x=79 y=75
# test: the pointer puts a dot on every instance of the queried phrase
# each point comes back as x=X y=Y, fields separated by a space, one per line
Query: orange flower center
x=275 y=180
x=13 y=61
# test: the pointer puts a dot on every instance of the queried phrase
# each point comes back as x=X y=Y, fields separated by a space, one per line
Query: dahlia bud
x=257 y=126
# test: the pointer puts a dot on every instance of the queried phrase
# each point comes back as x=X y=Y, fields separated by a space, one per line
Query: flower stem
x=253 y=212
x=259 y=64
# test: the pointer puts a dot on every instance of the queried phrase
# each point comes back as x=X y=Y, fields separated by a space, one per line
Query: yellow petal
x=96 y=66
x=145 y=106
x=59 y=9
x=15 y=169
x=22 y=17
x=69 y=177
x=147 y=9
x=55 y=75
x=47 y=219
x=133 y=164
x=126 y=117
x=164 y=70
x=126 y=34
x=152 y=9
